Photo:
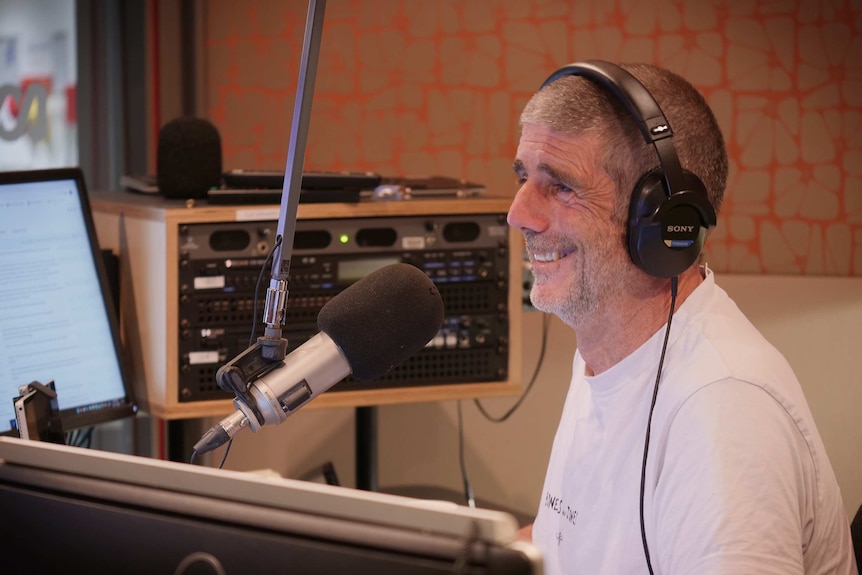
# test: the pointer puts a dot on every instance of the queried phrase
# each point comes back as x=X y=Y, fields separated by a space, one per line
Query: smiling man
x=685 y=444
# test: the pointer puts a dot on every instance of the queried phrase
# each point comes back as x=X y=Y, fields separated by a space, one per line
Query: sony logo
x=680 y=228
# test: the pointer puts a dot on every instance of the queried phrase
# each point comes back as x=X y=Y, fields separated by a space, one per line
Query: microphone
x=366 y=330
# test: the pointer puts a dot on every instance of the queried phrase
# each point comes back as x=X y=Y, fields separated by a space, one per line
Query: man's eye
x=560 y=187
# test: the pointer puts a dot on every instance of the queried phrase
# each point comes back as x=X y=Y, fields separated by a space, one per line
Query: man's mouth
x=547 y=257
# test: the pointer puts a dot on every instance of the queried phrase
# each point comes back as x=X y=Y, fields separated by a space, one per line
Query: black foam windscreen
x=189 y=161
x=383 y=319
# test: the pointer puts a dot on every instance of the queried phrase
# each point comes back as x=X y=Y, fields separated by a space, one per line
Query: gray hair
x=576 y=105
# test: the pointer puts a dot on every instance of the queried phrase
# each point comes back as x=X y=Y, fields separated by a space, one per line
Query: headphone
x=669 y=211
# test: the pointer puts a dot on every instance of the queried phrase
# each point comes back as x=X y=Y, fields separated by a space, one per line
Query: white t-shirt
x=737 y=481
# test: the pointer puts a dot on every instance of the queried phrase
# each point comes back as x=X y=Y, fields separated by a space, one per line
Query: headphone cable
x=674 y=282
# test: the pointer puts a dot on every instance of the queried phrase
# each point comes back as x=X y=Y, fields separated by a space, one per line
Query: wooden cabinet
x=145 y=232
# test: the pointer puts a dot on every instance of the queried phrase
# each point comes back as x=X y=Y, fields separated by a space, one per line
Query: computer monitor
x=68 y=509
x=57 y=318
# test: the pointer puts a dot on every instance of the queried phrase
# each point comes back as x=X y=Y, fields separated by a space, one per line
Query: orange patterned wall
x=410 y=87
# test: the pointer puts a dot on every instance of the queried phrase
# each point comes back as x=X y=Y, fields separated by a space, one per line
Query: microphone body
x=311 y=369
x=308 y=371
x=366 y=330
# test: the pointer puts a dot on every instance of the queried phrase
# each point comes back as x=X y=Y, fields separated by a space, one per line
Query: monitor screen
x=57 y=318
x=69 y=509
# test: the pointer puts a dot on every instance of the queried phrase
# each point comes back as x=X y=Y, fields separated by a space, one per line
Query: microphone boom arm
x=266 y=354
x=276 y=296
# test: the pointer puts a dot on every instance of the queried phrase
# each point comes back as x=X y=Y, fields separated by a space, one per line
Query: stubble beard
x=595 y=278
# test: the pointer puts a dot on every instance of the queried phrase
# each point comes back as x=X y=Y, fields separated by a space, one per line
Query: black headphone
x=669 y=211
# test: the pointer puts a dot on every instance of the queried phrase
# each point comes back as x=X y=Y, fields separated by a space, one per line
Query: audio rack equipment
x=465 y=256
x=189 y=272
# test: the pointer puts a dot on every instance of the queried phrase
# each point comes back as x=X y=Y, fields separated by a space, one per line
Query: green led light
x=343 y=238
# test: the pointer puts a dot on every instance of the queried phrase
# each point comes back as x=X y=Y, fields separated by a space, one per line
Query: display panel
x=350 y=271
x=57 y=321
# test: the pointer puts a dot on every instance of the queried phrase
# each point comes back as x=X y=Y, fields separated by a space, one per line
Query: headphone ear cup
x=666 y=234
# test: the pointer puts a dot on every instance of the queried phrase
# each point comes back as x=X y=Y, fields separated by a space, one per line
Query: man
x=726 y=472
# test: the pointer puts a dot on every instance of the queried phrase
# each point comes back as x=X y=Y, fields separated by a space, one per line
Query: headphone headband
x=642 y=107
x=628 y=89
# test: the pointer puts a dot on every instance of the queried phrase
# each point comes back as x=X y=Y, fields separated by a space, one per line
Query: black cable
x=251 y=337
x=468 y=490
x=546 y=322
x=673 y=289
x=226 y=451
x=223 y=459
x=257 y=287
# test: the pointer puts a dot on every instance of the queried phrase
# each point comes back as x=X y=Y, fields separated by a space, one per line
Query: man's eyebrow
x=554 y=173
x=550 y=171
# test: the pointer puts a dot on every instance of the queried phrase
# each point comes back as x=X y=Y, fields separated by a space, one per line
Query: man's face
x=565 y=209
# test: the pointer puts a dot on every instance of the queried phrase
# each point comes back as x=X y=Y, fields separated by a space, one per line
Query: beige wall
x=816 y=323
